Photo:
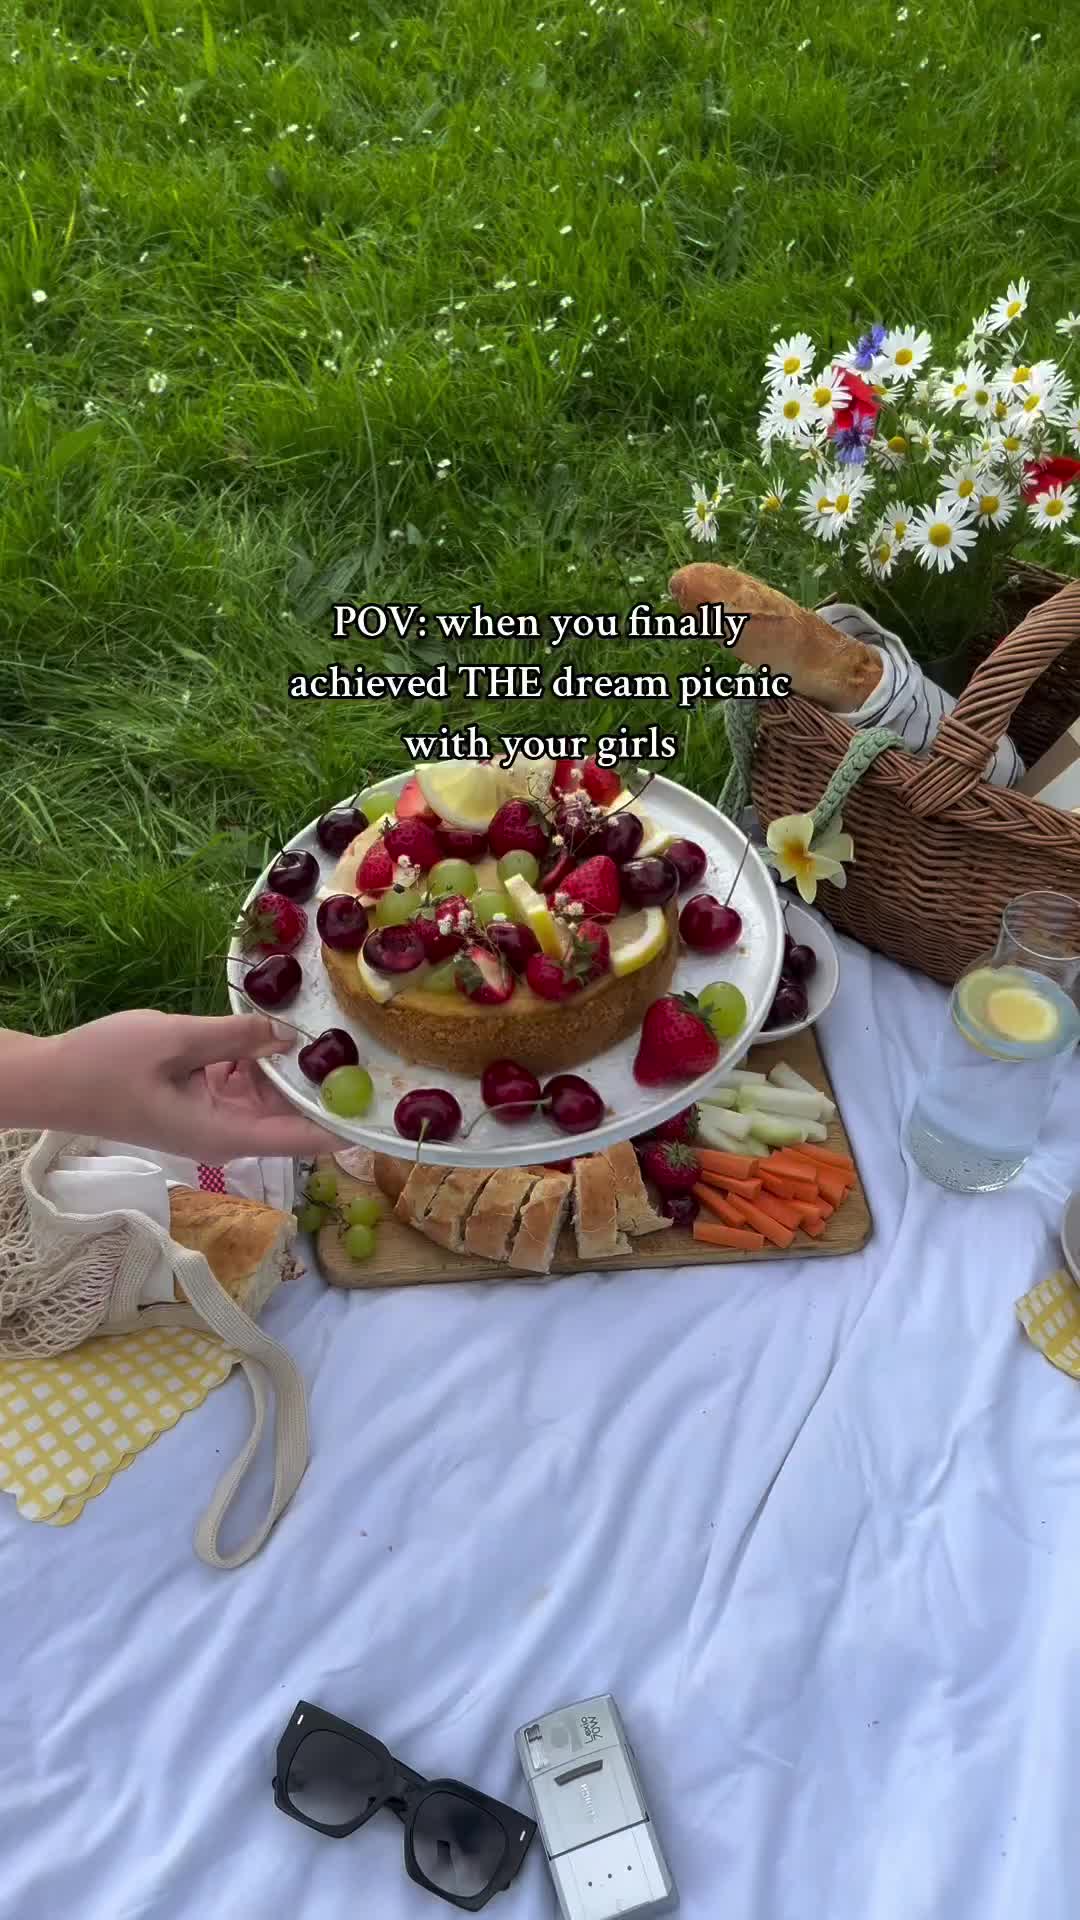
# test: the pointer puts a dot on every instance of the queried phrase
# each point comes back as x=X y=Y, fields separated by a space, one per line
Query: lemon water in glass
x=1012 y=1026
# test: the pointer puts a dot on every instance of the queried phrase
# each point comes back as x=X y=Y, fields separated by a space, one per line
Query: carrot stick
x=813 y=1170
x=789 y=1189
x=752 y=1216
x=833 y=1189
x=813 y=1224
x=824 y=1156
x=718 y=1205
x=780 y=1210
x=787 y=1167
x=711 y=1160
x=746 y=1189
x=735 y=1237
x=816 y=1213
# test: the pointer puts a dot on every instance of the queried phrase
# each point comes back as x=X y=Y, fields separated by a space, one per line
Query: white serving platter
x=753 y=966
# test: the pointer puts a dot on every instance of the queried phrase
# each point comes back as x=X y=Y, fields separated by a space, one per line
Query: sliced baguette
x=418 y=1193
x=596 y=1212
x=493 y=1222
x=246 y=1244
x=542 y=1219
x=390 y=1174
x=635 y=1211
x=448 y=1215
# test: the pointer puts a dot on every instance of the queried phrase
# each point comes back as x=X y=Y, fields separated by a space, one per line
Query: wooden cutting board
x=404 y=1258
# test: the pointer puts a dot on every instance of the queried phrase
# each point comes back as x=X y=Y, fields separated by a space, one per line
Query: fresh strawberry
x=567 y=775
x=411 y=805
x=596 y=884
x=482 y=977
x=444 y=927
x=273 y=924
x=518 y=824
x=682 y=1126
x=671 y=1166
x=590 y=950
x=677 y=1042
x=550 y=980
x=412 y=840
x=602 y=784
x=376 y=870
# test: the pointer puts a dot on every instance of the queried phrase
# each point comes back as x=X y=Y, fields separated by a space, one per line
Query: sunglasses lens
x=331 y=1779
x=459 y=1847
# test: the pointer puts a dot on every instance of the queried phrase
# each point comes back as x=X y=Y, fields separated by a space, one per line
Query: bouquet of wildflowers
x=893 y=463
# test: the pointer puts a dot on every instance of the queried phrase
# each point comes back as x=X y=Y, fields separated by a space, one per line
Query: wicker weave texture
x=939 y=852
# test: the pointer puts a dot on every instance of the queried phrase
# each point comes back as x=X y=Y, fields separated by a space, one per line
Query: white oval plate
x=753 y=965
x=807 y=930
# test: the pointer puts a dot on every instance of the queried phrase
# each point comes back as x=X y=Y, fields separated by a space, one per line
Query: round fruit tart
x=487 y=918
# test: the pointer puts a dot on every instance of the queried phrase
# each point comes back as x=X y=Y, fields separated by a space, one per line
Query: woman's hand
x=185 y=1084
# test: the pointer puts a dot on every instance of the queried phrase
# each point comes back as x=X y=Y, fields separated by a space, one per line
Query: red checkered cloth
x=211 y=1179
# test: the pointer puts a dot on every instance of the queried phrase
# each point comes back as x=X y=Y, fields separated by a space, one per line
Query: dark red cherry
x=342 y=922
x=789 y=1005
x=338 y=828
x=510 y=1091
x=461 y=843
x=516 y=944
x=394 y=949
x=801 y=962
x=651 y=882
x=296 y=875
x=621 y=838
x=708 y=927
x=334 y=1048
x=689 y=861
x=430 y=1112
x=274 y=982
x=575 y=1107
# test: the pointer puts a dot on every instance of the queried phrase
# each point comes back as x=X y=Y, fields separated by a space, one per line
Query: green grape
x=490 y=902
x=310 y=1218
x=452 y=876
x=359 y=1242
x=365 y=1211
x=375 y=805
x=347 y=1092
x=441 y=979
x=520 y=861
x=397 y=905
x=725 y=1007
x=322 y=1188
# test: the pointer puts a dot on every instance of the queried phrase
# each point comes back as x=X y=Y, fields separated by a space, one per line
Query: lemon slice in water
x=532 y=910
x=1021 y=1015
x=464 y=793
x=636 y=939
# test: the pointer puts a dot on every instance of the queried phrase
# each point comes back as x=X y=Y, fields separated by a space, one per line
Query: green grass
x=299 y=214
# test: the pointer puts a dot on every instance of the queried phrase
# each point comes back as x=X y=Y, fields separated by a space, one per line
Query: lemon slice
x=637 y=939
x=533 y=911
x=383 y=986
x=1022 y=1015
x=464 y=793
x=654 y=839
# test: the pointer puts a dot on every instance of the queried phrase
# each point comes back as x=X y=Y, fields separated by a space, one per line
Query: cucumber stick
x=738 y=1077
x=723 y=1130
x=796 y=1106
x=774 y=1131
x=785 y=1076
x=723 y=1097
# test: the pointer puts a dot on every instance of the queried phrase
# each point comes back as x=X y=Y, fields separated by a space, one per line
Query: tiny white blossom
x=157 y=382
x=39 y=296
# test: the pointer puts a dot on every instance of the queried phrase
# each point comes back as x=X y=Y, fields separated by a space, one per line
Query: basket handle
x=970 y=734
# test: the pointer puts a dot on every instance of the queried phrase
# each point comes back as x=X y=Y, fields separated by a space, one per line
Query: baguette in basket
x=838 y=657
x=515 y=1215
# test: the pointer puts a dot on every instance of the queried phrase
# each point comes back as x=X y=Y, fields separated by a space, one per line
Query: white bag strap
x=272 y=1376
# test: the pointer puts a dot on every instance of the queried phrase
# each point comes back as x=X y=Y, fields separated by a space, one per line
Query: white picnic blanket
x=817 y=1525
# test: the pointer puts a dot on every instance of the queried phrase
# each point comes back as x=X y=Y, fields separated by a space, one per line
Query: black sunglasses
x=458 y=1843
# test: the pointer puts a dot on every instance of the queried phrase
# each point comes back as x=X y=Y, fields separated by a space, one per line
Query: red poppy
x=862 y=409
x=1054 y=470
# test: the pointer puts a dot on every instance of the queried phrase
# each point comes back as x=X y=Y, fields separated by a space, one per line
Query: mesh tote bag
x=65 y=1276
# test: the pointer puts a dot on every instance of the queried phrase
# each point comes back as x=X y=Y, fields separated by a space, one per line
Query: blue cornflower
x=867 y=347
x=850 y=443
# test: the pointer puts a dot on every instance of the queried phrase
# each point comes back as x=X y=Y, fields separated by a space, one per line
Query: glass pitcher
x=1012 y=1025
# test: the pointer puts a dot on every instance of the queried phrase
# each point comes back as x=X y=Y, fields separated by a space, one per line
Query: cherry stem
x=490 y=1112
x=420 y=1138
x=738 y=871
x=276 y=1017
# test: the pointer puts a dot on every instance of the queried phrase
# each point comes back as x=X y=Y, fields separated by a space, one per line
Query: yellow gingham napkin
x=69 y=1423
x=1050 y=1316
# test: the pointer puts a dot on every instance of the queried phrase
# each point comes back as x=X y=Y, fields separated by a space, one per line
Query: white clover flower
x=157 y=382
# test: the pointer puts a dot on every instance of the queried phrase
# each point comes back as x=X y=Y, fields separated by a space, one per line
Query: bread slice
x=542 y=1219
x=390 y=1174
x=448 y=1215
x=596 y=1210
x=246 y=1244
x=418 y=1193
x=635 y=1211
x=493 y=1222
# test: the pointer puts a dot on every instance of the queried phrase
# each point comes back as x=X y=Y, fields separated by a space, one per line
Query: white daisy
x=895 y=451
x=848 y=493
x=964 y=382
x=994 y=503
x=962 y=484
x=700 y=516
x=1074 y=427
x=1009 y=308
x=721 y=491
x=879 y=554
x=773 y=500
x=789 y=415
x=978 y=402
x=925 y=439
x=1070 y=324
x=903 y=352
x=896 y=523
x=941 y=535
x=1010 y=438
x=827 y=394
x=790 y=360
x=1047 y=394
x=816 y=510
x=932 y=390
x=980 y=326
x=1054 y=508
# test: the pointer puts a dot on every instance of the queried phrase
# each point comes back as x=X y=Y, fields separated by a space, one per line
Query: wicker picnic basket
x=938 y=851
